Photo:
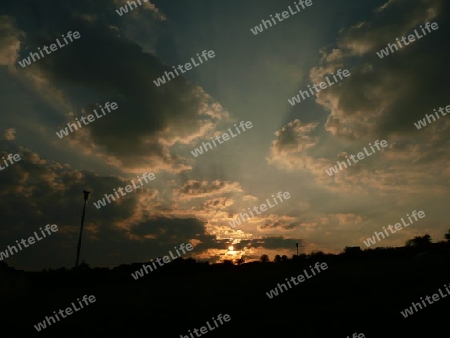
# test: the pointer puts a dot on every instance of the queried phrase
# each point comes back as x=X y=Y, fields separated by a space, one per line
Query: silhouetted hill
x=361 y=291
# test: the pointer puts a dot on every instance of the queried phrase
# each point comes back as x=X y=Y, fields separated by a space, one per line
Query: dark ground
x=361 y=293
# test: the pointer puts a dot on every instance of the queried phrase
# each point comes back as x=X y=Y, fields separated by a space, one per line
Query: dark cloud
x=278 y=225
x=268 y=243
x=383 y=97
x=112 y=67
x=196 y=189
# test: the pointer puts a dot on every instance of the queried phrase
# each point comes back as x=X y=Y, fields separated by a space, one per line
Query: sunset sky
x=193 y=199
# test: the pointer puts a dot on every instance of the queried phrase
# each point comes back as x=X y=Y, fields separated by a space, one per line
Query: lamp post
x=296 y=244
x=86 y=195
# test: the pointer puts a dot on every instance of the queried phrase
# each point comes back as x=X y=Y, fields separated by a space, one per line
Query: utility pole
x=296 y=244
x=86 y=195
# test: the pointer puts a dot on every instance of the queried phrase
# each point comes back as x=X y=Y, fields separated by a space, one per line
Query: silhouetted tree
x=264 y=258
x=419 y=241
x=240 y=261
x=316 y=254
x=277 y=259
x=352 y=250
x=447 y=236
x=83 y=266
x=300 y=257
x=284 y=258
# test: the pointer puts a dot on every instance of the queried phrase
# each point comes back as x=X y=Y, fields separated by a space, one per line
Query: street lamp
x=86 y=196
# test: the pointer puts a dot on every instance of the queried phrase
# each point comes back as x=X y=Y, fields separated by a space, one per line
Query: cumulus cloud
x=218 y=203
x=155 y=122
x=288 y=150
x=10 y=37
x=376 y=99
x=380 y=100
x=10 y=134
x=284 y=222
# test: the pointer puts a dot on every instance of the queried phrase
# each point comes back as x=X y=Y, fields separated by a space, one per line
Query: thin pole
x=86 y=193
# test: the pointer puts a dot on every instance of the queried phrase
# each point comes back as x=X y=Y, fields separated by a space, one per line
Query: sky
x=155 y=129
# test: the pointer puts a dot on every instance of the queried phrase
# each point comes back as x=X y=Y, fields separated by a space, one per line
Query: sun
x=230 y=248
